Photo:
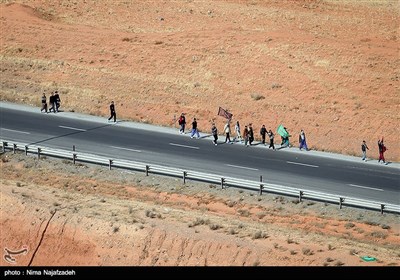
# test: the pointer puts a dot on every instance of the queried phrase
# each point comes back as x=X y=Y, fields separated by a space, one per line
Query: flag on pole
x=224 y=113
x=282 y=131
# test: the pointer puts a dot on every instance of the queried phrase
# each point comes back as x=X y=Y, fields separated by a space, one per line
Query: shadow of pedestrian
x=205 y=136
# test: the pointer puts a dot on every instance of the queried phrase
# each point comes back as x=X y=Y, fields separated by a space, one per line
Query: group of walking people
x=54 y=102
x=381 y=148
x=247 y=137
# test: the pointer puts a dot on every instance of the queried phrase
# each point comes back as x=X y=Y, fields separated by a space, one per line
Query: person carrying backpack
x=382 y=150
x=182 y=123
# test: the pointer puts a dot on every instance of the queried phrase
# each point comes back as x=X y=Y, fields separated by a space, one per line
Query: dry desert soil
x=88 y=215
x=328 y=67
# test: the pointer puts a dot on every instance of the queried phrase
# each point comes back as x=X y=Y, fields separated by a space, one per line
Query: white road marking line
x=127 y=149
x=298 y=163
x=363 y=187
x=243 y=167
x=12 y=130
x=73 y=128
x=184 y=146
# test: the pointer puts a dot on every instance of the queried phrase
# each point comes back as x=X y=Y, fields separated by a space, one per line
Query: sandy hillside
x=88 y=215
x=328 y=67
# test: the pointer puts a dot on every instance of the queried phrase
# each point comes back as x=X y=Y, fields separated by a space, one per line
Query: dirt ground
x=88 y=215
x=329 y=67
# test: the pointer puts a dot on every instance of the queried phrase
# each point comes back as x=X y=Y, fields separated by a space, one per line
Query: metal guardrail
x=200 y=176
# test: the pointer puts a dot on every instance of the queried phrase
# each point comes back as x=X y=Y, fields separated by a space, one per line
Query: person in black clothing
x=112 y=112
x=44 y=103
x=263 y=131
x=57 y=100
x=214 y=132
x=246 y=135
x=251 y=134
x=52 y=103
x=194 y=129
x=271 y=139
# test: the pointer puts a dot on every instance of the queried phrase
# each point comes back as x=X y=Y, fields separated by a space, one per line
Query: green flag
x=282 y=131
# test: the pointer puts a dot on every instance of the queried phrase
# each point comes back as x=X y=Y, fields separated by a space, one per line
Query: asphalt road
x=336 y=174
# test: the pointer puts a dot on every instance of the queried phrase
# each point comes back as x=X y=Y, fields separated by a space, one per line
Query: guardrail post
x=4 y=146
x=341 y=199
x=300 y=195
x=382 y=207
x=73 y=158
x=26 y=150
x=38 y=153
x=147 y=170
x=14 y=148
x=261 y=185
x=73 y=148
x=184 y=177
x=110 y=163
x=222 y=182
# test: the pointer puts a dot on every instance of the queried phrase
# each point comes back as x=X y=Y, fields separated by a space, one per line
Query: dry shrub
x=379 y=234
x=244 y=212
x=339 y=263
x=307 y=252
x=232 y=231
x=152 y=214
x=261 y=215
x=230 y=203
x=290 y=241
x=215 y=226
x=199 y=221
x=259 y=234
x=349 y=225
x=257 y=96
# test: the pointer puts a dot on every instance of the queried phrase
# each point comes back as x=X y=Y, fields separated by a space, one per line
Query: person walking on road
x=237 y=131
x=52 y=103
x=227 y=130
x=263 y=132
x=364 y=149
x=112 y=112
x=194 y=129
x=302 y=140
x=214 y=132
x=246 y=135
x=271 y=139
x=44 y=103
x=251 y=134
x=182 y=123
x=57 y=100
x=382 y=150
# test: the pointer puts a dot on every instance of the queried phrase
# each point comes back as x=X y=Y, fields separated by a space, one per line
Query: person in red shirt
x=382 y=149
